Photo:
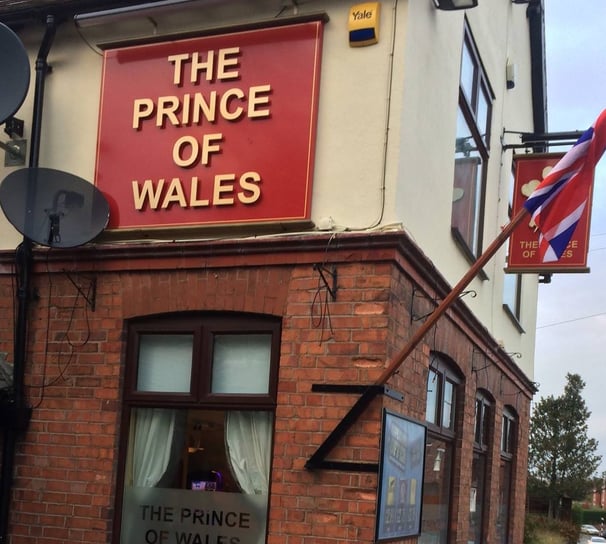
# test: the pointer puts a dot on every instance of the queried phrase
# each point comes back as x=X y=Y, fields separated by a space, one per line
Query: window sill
x=514 y=319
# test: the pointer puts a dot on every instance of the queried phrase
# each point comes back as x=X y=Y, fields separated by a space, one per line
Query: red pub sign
x=210 y=130
x=529 y=171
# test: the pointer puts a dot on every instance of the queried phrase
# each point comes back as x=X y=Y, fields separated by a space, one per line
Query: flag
x=559 y=200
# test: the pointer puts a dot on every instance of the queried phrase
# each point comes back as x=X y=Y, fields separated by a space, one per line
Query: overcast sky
x=571 y=326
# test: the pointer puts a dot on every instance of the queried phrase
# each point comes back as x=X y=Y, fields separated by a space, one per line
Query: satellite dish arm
x=14 y=149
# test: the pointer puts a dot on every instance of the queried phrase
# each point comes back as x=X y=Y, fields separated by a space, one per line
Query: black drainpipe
x=15 y=413
x=536 y=25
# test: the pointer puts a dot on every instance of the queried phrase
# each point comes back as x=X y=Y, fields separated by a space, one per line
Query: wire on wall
x=62 y=366
x=327 y=287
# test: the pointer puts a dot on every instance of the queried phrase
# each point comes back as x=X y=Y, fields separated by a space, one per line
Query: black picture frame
x=401 y=470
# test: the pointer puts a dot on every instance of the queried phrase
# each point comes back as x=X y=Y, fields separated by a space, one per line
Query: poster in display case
x=401 y=468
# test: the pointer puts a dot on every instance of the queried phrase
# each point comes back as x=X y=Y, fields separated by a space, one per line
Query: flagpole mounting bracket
x=367 y=394
x=332 y=273
x=543 y=139
x=414 y=317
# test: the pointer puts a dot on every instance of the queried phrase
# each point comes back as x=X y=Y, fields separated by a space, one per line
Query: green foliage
x=562 y=457
x=543 y=530
x=531 y=527
x=593 y=516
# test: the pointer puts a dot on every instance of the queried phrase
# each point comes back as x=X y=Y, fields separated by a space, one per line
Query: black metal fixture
x=455 y=4
x=543 y=140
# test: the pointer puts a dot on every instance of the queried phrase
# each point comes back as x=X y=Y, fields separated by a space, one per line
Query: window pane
x=482 y=116
x=476 y=502
x=504 y=499
x=468 y=70
x=467 y=186
x=448 y=415
x=507 y=435
x=241 y=363
x=165 y=362
x=436 y=492
x=504 y=434
x=433 y=387
x=511 y=286
x=479 y=422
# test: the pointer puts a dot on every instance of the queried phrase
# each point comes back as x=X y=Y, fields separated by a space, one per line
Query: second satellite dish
x=52 y=207
x=14 y=73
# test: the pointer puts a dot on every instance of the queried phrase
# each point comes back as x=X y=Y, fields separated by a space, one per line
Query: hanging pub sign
x=212 y=130
x=529 y=171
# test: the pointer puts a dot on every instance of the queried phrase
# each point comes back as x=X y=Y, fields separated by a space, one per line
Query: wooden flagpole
x=451 y=297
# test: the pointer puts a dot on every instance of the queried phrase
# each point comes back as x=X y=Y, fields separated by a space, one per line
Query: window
x=482 y=421
x=482 y=440
x=508 y=431
x=512 y=283
x=512 y=295
x=440 y=410
x=471 y=150
x=200 y=396
x=441 y=417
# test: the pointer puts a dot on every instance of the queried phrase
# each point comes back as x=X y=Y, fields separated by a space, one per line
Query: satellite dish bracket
x=14 y=152
x=14 y=126
x=15 y=148
x=91 y=295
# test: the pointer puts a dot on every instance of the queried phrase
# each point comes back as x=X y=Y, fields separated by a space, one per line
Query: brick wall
x=65 y=478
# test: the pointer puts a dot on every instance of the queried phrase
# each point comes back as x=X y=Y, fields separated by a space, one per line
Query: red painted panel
x=211 y=130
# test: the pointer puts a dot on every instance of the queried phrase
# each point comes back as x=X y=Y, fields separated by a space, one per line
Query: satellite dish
x=14 y=73
x=53 y=208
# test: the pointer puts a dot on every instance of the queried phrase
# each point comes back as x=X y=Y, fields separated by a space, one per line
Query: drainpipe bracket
x=13 y=415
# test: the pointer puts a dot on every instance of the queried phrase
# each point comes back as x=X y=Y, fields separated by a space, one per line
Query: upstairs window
x=471 y=150
x=512 y=283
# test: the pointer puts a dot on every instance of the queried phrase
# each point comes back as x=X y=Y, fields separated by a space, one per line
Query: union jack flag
x=558 y=201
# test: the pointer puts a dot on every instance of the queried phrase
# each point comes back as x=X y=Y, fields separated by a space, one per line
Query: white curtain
x=154 y=436
x=248 y=444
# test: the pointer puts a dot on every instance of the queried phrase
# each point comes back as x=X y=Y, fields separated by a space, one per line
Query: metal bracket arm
x=368 y=393
x=91 y=296
x=333 y=276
